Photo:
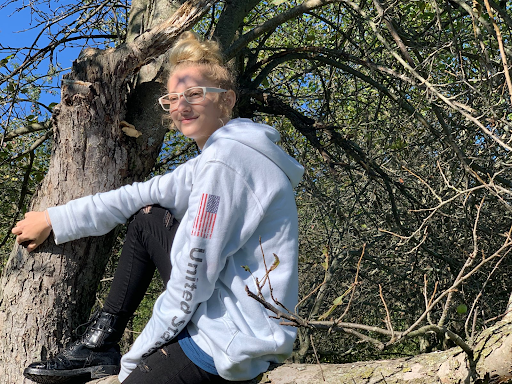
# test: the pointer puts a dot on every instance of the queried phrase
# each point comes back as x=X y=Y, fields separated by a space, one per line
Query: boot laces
x=91 y=320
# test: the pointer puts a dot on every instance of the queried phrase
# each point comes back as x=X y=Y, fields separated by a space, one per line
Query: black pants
x=148 y=246
x=170 y=365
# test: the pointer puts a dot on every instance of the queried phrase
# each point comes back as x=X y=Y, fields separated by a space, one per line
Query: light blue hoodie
x=234 y=201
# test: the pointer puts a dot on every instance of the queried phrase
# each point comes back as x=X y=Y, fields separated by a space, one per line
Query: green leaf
x=275 y=264
x=462 y=309
x=338 y=300
x=310 y=37
x=325 y=253
x=335 y=304
x=39 y=177
x=5 y=60
x=278 y=2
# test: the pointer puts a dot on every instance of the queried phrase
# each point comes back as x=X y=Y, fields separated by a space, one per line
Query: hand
x=33 y=230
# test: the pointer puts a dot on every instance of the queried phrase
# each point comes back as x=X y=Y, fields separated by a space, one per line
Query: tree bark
x=491 y=363
x=44 y=295
x=230 y=19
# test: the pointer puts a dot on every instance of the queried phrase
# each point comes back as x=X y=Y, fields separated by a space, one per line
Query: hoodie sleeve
x=223 y=214
x=96 y=215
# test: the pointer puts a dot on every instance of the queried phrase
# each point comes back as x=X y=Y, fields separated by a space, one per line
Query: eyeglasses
x=193 y=95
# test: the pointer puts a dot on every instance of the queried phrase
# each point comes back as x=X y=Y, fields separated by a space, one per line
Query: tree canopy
x=400 y=112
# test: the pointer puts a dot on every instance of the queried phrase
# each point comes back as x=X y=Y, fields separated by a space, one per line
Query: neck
x=202 y=140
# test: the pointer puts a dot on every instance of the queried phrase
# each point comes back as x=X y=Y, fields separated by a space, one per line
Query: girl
x=205 y=226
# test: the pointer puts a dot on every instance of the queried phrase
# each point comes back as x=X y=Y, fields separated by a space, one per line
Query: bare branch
x=502 y=49
x=31 y=128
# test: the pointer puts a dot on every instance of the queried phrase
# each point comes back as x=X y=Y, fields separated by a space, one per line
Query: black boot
x=96 y=354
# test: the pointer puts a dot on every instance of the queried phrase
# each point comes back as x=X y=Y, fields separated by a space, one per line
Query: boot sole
x=45 y=376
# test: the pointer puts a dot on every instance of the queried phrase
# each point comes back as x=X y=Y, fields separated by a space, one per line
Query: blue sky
x=15 y=31
x=13 y=22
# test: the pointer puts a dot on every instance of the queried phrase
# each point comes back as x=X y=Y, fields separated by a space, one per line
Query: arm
x=98 y=214
x=223 y=213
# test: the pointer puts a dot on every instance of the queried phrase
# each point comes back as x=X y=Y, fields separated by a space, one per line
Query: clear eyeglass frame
x=193 y=95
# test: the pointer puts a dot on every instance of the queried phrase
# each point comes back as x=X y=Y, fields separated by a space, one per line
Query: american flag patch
x=206 y=215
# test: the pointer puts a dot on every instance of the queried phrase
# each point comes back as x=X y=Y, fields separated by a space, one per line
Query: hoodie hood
x=263 y=139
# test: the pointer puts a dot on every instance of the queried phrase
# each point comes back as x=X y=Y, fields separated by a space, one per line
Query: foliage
x=399 y=128
x=401 y=114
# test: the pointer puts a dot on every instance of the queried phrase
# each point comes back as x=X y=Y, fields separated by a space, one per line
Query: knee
x=141 y=215
x=153 y=214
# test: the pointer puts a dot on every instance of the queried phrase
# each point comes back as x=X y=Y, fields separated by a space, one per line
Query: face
x=197 y=121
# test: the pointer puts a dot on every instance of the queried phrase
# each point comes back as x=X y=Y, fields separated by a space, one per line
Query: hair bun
x=190 y=48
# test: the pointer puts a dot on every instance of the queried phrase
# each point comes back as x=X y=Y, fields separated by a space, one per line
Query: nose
x=182 y=104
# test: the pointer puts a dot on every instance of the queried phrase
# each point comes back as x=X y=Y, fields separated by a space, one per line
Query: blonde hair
x=191 y=50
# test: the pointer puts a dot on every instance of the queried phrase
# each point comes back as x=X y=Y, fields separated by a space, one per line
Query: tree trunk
x=491 y=363
x=46 y=294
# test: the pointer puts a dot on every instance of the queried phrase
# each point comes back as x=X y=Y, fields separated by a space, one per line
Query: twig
x=502 y=49
x=308 y=295
x=31 y=128
x=432 y=211
x=474 y=307
x=354 y=284
x=425 y=183
x=267 y=277
x=424 y=81
x=467 y=264
x=32 y=148
x=316 y=356
x=473 y=327
x=433 y=293
x=413 y=331
x=505 y=248
x=325 y=325
x=388 y=318
x=297 y=320
x=425 y=282
x=428 y=302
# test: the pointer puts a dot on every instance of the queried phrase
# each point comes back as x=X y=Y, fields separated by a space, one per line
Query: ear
x=230 y=99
